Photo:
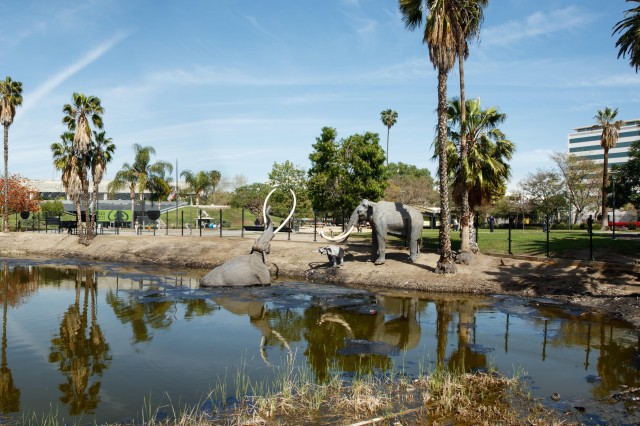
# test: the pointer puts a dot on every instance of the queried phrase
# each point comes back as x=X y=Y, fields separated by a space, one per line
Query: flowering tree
x=23 y=197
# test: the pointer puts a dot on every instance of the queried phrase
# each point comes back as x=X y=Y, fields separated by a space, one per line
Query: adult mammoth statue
x=249 y=269
x=385 y=217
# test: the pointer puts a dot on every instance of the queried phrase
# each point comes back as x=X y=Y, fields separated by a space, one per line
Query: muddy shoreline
x=596 y=287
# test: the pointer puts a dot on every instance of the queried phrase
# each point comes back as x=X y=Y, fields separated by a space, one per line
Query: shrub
x=596 y=226
x=632 y=226
x=559 y=226
x=582 y=225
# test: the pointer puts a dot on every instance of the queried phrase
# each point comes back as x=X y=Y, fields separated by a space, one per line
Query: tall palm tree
x=10 y=98
x=487 y=170
x=610 y=128
x=629 y=41
x=439 y=35
x=201 y=182
x=65 y=160
x=101 y=154
x=388 y=118
x=470 y=16
x=83 y=112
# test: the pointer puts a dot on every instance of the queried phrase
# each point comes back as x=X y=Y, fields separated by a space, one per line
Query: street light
x=613 y=202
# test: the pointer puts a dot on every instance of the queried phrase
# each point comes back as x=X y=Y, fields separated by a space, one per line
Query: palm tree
x=610 y=128
x=65 y=160
x=470 y=15
x=389 y=118
x=79 y=116
x=140 y=174
x=201 y=182
x=10 y=98
x=629 y=41
x=439 y=35
x=101 y=153
x=486 y=173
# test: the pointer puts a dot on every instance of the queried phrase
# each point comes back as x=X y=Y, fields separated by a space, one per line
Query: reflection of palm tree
x=9 y=393
x=464 y=358
x=141 y=315
x=80 y=356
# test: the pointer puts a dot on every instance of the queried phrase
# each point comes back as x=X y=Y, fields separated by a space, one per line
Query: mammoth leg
x=379 y=236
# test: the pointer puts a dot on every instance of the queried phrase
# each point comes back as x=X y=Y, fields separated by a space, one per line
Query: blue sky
x=238 y=85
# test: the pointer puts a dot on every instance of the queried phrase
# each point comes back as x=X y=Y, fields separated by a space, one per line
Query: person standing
x=491 y=221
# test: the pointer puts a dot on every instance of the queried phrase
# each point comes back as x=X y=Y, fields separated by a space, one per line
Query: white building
x=585 y=142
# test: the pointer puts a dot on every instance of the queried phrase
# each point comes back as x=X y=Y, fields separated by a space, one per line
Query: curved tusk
x=338 y=238
x=284 y=222
x=266 y=200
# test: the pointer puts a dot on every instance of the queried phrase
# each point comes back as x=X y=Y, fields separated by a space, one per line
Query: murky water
x=100 y=344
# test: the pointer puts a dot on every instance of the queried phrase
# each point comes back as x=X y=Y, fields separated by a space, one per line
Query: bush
x=559 y=226
x=582 y=225
x=632 y=226
x=596 y=226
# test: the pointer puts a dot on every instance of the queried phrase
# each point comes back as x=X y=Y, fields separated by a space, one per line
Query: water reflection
x=80 y=348
x=327 y=329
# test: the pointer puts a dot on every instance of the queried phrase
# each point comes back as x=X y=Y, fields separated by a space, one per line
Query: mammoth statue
x=249 y=269
x=385 y=217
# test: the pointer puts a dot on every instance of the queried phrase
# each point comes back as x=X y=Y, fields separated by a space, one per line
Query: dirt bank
x=614 y=289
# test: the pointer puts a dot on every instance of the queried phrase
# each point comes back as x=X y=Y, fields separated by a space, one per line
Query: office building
x=585 y=142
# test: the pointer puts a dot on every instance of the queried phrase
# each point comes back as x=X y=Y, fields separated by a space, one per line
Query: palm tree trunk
x=5 y=214
x=85 y=192
x=445 y=264
x=79 y=220
x=95 y=204
x=464 y=153
x=605 y=184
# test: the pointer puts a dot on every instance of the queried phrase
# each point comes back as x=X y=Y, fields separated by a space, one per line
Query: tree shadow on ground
x=558 y=277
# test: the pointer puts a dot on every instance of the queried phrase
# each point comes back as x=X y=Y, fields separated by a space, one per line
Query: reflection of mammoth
x=386 y=217
x=257 y=313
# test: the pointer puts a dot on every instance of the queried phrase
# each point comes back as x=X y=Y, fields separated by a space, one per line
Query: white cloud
x=536 y=25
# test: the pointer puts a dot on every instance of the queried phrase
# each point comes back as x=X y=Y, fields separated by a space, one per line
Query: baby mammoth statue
x=335 y=254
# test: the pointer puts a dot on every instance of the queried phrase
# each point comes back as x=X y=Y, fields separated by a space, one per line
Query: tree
x=287 y=176
x=65 y=160
x=581 y=179
x=23 y=196
x=10 y=98
x=610 y=128
x=100 y=154
x=628 y=178
x=78 y=117
x=470 y=16
x=201 y=183
x=411 y=185
x=343 y=173
x=388 y=118
x=52 y=208
x=483 y=176
x=629 y=41
x=544 y=190
x=440 y=36
x=141 y=175
x=250 y=197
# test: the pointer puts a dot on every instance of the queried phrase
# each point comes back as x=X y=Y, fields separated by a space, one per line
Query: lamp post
x=613 y=202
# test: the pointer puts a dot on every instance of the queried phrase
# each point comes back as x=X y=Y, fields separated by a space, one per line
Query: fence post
x=242 y=226
x=220 y=223
x=590 y=230
x=315 y=221
x=547 y=235
x=182 y=223
x=166 y=225
x=509 y=224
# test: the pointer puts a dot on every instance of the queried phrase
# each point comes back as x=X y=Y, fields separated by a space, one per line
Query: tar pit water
x=107 y=343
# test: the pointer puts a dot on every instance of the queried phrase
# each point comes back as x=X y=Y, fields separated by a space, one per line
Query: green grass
x=231 y=217
x=571 y=244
